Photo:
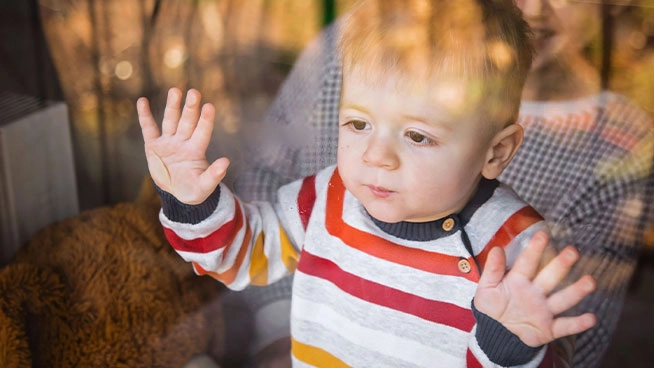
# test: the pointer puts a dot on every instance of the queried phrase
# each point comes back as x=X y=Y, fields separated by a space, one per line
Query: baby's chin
x=391 y=217
x=384 y=216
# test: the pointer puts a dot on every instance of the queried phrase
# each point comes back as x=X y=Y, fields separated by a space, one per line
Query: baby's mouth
x=380 y=192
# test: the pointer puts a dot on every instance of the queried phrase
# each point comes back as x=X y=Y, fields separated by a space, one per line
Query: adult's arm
x=298 y=137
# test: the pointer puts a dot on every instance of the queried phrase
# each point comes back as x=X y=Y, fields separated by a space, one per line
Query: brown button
x=464 y=266
x=448 y=224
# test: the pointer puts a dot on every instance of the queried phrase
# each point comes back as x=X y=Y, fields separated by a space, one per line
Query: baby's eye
x=419 y=138
x=358 y=124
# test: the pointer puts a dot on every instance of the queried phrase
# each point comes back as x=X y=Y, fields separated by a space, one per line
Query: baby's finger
x=566 y=326
x=529 y=260
x=556 y=270
x=172 y=112
x=571 y=295
x=202 y=134
x=214 y=174
x=494 y=269
x=149 y=127
x=190 y=114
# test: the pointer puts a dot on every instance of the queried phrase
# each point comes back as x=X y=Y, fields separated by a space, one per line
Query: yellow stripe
x=314 y=356
x=289 y=254
x=259 y=263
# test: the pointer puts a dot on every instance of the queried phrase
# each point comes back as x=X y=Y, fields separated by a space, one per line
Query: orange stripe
x=516 y=224
x=619 y=137
x=229 y=276
x=375 y=246
x=259 y=263
x=314 y=356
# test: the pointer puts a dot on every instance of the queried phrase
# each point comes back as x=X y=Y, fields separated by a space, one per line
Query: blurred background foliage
x=108 y=53
x=101 y=55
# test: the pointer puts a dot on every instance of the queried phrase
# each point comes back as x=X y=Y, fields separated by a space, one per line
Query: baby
x=399 y=251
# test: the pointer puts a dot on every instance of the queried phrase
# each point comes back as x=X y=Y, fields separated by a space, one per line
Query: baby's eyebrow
x=433 y=122
x=350 y=106
x=418 y=118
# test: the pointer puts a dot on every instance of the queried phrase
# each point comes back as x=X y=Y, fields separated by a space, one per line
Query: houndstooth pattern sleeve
x=586 y=165
x=299 y=137
x=300 y=130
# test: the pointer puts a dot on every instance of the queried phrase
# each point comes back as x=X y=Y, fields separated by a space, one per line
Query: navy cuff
x=187 y=213
x=501 y=346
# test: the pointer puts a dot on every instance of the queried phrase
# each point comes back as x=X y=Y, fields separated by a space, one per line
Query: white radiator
x=37 y=175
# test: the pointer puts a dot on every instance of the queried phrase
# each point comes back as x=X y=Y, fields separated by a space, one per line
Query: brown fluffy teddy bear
x=105 y=289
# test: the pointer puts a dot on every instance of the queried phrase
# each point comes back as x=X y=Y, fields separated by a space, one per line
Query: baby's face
x=409 y=154
x=560 y=27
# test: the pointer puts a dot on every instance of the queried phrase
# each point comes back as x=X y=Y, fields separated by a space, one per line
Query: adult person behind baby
x=403 y=246
x=585 y=164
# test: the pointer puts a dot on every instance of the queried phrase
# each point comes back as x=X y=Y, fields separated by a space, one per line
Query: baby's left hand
x=523 y=299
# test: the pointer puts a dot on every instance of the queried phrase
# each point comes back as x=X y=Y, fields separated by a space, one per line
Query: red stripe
x=229 y=276
x=381 y=248
x=431 y=310
x=214 y=241
x=471 y=360
x=306 y=198
x=548 y=360
x=516 y=224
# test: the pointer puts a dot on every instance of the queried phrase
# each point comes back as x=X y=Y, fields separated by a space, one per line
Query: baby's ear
x=503 y=147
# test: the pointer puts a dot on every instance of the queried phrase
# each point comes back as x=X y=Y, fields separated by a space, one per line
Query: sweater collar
x=431 y=230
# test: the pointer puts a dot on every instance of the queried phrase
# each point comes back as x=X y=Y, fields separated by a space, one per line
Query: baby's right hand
x=177 y=155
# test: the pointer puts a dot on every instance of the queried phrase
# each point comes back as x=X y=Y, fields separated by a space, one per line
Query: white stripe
x=224 y=211
x=372 y=339
x=452 y=289
x=373 y=316
x=491 y=216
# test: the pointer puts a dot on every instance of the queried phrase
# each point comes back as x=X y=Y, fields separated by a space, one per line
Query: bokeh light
x=124 y=70
x=175 y=55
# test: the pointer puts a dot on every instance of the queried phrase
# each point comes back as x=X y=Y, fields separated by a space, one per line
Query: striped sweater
x=365 y=293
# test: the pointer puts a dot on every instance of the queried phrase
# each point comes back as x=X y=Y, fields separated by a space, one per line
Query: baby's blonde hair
x=482 y=46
